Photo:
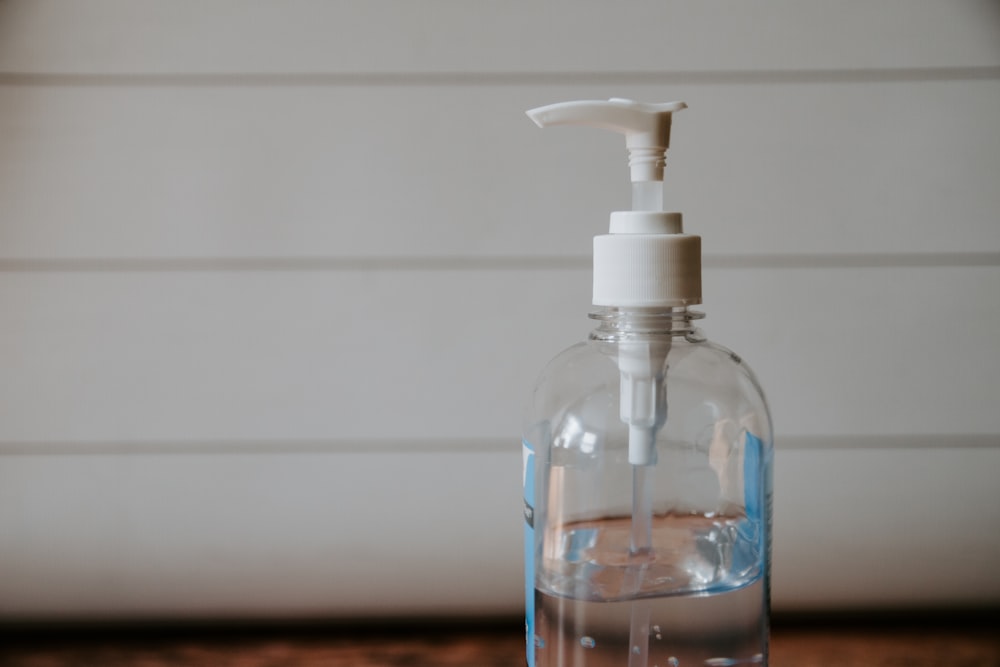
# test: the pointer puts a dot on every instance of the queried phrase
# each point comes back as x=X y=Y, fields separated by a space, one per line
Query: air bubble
x=539 y=642
x=587 y=642
x=636 y=650
x=673 y=662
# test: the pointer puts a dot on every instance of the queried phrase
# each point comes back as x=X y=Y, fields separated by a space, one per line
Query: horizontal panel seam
x=470 y=445
x=499 y=78
x=480 y=263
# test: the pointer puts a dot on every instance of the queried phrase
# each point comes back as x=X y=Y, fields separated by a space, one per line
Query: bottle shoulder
x=692 y=356
x=702 y=378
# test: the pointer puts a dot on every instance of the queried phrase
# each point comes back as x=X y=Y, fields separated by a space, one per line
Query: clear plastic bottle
x=647 y=453
x=688 y=586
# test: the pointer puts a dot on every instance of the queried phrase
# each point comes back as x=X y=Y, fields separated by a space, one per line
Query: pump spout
x=646 y=128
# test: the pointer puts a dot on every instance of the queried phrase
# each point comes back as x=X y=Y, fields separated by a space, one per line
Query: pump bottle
x=647 y=452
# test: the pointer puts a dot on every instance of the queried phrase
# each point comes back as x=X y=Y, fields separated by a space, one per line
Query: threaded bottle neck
x=617 y=324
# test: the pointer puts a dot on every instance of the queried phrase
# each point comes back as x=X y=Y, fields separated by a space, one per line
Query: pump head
x=646 y=128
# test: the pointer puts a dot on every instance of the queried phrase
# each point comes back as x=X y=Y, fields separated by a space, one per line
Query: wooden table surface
x=967 y=642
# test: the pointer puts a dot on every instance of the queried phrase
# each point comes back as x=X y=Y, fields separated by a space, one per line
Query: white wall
x=275 y=278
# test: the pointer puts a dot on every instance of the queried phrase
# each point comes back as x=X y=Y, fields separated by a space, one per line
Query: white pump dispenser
x=646 y=261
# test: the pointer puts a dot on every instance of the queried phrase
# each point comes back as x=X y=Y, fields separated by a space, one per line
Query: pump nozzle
x=646 y=128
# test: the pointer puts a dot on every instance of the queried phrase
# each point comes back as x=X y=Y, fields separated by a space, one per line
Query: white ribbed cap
x=634 y=268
